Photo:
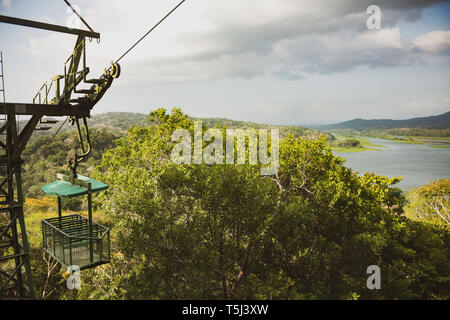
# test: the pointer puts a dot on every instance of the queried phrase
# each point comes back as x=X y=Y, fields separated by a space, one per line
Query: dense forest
x=226 y=232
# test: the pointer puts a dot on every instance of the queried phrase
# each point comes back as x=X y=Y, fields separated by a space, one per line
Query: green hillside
x=122 y=121
x=437 y=122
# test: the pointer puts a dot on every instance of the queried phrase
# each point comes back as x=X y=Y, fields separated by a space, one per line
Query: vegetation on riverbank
x=352 y=144
x=386 y=134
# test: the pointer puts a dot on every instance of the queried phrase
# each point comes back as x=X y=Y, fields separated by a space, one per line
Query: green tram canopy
x=64 y=188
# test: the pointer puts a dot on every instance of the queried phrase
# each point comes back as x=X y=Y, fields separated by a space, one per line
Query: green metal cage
x=71 y=240
x=74 y=240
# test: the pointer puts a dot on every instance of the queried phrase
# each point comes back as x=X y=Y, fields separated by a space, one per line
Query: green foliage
x=347 y=143
x=49 y=277
x=431 y=203
x=225 y=232
x=121 y=121
x=35 y=211
x=45 y=158
x=296 y=131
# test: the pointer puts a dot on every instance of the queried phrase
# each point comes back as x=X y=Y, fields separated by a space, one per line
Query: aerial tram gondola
x=74 y=240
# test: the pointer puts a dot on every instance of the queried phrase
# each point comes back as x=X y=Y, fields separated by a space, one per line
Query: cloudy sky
x=268 y=61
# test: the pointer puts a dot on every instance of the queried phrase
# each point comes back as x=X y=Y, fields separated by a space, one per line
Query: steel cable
x=148 y=32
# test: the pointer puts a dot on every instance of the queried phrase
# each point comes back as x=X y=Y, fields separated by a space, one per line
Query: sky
x=293 y=62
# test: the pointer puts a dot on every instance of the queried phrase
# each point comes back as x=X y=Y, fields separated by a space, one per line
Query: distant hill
x=441 y=121
x=120 y=122
x=296 y=131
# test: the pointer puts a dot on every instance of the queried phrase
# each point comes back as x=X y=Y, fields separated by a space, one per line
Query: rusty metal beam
x=45 y=109
x=47 y=26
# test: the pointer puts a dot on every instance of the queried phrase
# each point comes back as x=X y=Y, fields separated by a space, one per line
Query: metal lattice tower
x=2 y=90
x=15 y=270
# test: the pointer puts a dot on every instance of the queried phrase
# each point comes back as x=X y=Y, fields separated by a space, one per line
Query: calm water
x=417 y=164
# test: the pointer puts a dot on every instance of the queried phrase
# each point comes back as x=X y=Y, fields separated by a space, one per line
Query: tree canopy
x=226 y=232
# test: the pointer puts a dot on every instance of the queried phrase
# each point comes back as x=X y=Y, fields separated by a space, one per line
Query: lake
x=418 y=164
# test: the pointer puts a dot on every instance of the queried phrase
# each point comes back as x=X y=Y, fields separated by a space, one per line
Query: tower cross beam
x=48 y=26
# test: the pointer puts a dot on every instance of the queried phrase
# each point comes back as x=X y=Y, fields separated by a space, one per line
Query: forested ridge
x=437 y=122
x=226 y=232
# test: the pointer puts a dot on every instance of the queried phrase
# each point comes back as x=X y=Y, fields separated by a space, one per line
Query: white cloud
x=342 y=51
x=48 y=48
x=433 y=42
x=206 y=40
x=6 y=4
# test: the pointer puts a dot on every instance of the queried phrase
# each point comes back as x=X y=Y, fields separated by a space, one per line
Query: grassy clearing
x=367 y=143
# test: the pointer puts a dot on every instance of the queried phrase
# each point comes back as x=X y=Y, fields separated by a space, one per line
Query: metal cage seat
x=74 y=240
